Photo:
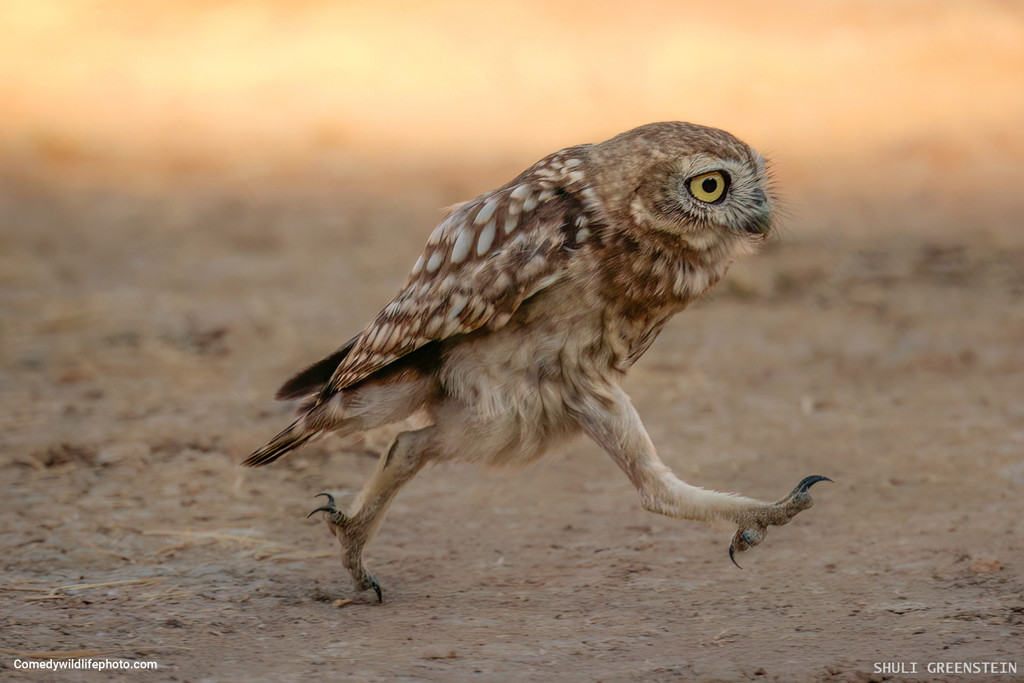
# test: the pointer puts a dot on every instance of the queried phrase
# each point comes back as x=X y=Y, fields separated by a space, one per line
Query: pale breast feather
x=478 y=266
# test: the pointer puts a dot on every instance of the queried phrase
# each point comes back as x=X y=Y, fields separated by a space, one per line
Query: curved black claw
x=376 y=589
x=329 y=507
x=808 y=482
x=744 y=540
x=732 y=556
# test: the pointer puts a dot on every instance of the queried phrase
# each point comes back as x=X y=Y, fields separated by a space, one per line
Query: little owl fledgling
x=526 y=309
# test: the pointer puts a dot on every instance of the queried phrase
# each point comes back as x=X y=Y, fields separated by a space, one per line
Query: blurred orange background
x=835 y=92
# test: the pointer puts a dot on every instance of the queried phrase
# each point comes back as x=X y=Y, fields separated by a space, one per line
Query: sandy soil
x=152 y=301
x=140 y=351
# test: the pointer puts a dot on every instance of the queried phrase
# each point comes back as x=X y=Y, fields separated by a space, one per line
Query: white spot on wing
x=396 y=332
x=476 y=309
x=378 y=335
x=483 y=243
x=446 y=285
x=461 y=249
x=419 y=266
x=530 y=204
x=486 y=211
x=433 y=327
x=435 y=261
x=521 y=192
x=511 y=222
x=501 y=283
x=582 y=234
x=458 y=302
x=545 y=172
x=435 y=237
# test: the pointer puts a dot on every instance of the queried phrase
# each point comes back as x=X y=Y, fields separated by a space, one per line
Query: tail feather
x=291 y=438
x=313 y=379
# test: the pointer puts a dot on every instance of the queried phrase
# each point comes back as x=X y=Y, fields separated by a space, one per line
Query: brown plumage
x=526 y=308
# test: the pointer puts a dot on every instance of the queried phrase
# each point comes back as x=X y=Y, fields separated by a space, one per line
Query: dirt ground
x=150 y=310
x=139 y=357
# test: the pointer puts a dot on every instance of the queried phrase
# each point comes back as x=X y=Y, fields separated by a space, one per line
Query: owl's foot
x=754 y=524
x=352 y=535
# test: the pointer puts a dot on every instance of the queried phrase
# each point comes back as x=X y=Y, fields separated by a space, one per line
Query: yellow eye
x=709 y=187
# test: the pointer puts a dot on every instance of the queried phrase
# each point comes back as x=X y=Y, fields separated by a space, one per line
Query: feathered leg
x=354 y=529
x=616 y=426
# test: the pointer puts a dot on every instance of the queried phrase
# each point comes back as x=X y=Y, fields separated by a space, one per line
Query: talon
x=744 y=540
x=329 y=507
x=323 y=508
x=800 y=498
x=808 y=482
x=370 y=581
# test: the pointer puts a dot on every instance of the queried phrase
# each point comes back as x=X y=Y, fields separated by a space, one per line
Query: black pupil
x=709 y=185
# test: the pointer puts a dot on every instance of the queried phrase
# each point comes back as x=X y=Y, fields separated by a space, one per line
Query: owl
x=525 y=310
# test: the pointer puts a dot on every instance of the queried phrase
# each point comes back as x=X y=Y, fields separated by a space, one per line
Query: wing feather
x=479 y=265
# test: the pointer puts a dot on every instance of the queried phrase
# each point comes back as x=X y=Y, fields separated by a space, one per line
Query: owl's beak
x=759 y=218
x=759 y=223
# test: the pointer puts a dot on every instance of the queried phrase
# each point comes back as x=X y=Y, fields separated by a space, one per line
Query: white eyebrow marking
x=483 y=242
x=461 y=249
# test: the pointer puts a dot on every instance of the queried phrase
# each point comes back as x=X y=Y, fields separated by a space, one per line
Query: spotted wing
x=479 y=265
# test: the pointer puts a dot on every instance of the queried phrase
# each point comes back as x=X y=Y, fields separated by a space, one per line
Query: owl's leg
x=354 y=529
x=616 y=426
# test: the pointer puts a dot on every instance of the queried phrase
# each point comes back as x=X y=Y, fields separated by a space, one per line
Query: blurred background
x=200 y=197
x=875 y=98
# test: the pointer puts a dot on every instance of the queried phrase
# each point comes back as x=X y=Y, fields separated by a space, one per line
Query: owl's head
x=701 y=184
